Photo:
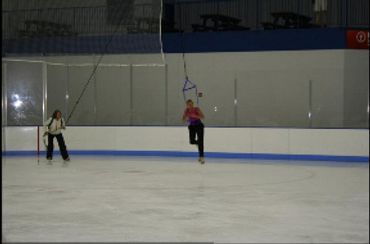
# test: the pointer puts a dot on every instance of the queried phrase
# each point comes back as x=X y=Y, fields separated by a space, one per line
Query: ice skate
x=66 y=162
x=49 y=161
x=201 y=160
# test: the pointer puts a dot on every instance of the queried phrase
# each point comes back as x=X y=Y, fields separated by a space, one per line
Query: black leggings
x=62 y=146
x=198 y=132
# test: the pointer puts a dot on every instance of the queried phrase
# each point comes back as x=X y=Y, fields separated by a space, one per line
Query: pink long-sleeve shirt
x=193 y=115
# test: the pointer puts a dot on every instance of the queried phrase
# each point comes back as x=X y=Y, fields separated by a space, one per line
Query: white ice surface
x=122 y=199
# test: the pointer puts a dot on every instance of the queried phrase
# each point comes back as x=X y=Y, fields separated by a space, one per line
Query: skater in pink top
x=196 y=128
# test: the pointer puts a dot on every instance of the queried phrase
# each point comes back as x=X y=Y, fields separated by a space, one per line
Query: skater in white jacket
x=53 y=128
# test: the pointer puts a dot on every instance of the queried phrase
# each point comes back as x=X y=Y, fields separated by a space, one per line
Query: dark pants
x=198 y=132
x=62 y=146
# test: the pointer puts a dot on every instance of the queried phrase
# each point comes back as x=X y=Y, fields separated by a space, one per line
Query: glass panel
x=148 y=96
x=82 y=107
x=24 y=93
x=272 y=98
x=57 y=89
x=113 y=96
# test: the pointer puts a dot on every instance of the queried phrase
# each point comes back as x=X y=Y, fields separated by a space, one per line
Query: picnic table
x=217 y=22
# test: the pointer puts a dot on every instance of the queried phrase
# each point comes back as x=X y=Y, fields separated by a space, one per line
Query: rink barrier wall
x=340 y=145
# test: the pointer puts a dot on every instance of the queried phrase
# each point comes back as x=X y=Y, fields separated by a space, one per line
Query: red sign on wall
x=358 y=39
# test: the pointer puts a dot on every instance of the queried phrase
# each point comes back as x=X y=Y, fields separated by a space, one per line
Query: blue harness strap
x=188 y=85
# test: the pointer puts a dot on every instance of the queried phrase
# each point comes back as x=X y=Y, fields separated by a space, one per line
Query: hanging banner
x=358 y=39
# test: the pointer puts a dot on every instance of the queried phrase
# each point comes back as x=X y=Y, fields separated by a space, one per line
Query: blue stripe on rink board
x=262 y=156
x=271 y=40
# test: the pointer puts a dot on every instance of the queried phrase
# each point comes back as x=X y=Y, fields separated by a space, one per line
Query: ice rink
x=153 y=199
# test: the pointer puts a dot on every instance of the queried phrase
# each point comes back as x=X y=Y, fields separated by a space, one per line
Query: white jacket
x=55 y=127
